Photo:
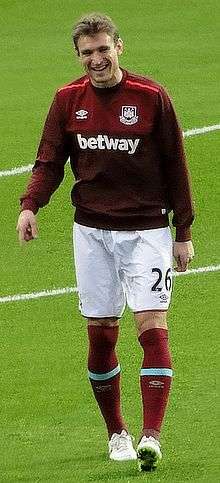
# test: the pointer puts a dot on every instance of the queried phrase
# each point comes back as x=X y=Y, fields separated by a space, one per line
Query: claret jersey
x=126 y=153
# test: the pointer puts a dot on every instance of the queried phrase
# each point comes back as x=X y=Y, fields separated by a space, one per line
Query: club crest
x=128 y=115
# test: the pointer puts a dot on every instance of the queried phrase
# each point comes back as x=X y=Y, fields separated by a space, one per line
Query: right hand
x=27 y=226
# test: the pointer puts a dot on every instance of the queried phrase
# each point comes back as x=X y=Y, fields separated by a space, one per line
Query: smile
x=100 y=69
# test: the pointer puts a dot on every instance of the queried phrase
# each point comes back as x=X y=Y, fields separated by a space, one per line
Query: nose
x=96 y=57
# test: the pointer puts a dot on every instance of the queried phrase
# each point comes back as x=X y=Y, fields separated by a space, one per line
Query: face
x=99 y=57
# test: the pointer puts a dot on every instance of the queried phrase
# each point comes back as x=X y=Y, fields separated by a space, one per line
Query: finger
x=34 y=230
x=30 y=233
x=24 y=234
x=178 y=267
x=28 y=236
x=182 y=264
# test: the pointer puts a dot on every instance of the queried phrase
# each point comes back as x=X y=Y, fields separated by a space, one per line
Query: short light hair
x=93 y=24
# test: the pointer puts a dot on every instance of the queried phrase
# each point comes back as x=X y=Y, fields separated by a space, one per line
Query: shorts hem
x=145 y=309
x=101 y=316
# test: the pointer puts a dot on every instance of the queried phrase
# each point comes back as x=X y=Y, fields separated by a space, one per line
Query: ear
x=119 y=46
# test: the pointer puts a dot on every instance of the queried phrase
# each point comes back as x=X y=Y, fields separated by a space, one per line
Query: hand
x=27 y=226
x=183 y=253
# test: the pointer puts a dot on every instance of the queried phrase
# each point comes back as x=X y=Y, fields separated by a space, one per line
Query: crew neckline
x=112 y=89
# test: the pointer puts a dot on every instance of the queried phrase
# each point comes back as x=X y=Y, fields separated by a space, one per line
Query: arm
x=177 y=180
x=45 y=179
x=47 y=174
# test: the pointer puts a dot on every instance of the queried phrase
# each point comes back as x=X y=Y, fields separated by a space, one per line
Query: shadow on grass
x=75 y=468
x=116 y=475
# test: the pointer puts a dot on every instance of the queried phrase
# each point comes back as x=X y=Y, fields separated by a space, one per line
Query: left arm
x=177 y=180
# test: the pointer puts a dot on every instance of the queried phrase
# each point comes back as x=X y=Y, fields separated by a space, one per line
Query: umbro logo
x=163 y=298
x=156 y=384
x=82 y=114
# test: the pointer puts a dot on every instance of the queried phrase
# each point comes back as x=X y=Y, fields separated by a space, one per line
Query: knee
x=150 y=319
x=102 y=338
x=103 y=322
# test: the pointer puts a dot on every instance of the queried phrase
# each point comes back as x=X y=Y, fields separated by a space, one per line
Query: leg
x=104 y=371
x=146 y=265
x=155 y=381
x=146 y=276
x=102 y=302
x=104 y=375
x=156 y=369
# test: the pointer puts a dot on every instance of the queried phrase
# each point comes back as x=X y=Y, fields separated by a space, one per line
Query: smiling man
x=99 y=57
x=125 y=146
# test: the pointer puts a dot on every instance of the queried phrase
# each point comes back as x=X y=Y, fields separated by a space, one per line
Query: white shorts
x=118 y=267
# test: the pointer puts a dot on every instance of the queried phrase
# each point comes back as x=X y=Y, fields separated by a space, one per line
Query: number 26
x=168 y=280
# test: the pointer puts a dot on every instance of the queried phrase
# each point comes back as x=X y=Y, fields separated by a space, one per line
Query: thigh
x=100 y=290
x=147 y=277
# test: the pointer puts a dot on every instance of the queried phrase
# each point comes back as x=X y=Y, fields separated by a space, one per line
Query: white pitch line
x=36 y=295
x=190 y=132
x=200 y=130
x=192 y=271
x=19 y=170
x=67 y=290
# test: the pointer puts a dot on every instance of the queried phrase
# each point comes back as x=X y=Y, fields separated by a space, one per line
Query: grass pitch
x=50 y=428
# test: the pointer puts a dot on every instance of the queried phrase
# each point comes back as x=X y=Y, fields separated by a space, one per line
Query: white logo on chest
x=128 y=115
x=102 y=141
x=82 y=114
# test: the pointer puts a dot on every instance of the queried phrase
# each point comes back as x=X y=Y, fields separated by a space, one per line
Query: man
x=126 y=152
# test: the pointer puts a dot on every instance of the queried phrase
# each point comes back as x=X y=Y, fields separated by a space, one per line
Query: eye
x=86 y=53
x=103 y=49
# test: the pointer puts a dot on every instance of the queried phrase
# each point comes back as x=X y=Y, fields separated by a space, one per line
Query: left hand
x=183 y=253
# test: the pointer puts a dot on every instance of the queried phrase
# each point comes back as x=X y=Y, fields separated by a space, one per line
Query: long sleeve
x=175 y=167
x=45 y=179
x=48 y=171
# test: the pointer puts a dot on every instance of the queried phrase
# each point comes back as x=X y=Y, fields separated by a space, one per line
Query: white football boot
x=148 y=453
x=121 y=447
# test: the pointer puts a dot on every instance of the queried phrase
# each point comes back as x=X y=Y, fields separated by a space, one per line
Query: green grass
x=50 y=428
x=49 y=420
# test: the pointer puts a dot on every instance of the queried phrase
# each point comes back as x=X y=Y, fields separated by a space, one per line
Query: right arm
x=47 y=174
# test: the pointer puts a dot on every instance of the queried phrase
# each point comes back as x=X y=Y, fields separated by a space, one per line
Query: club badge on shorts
x=128 y=115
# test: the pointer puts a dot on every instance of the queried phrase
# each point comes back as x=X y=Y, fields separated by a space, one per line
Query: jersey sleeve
x=176 y=172
x=52 y=154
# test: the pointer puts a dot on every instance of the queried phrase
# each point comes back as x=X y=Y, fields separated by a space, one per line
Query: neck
x=113 y=82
